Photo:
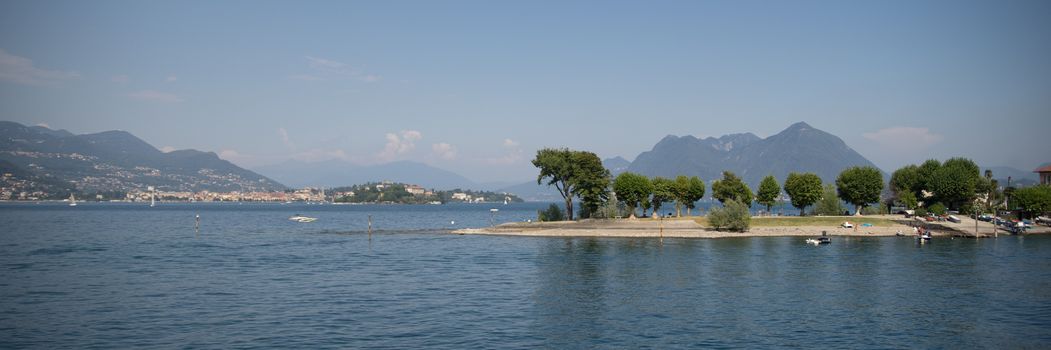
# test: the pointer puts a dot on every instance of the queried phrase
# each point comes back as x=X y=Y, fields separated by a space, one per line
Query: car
x=953 y=219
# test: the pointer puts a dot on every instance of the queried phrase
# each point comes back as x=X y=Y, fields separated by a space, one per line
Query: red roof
x=1045 y=169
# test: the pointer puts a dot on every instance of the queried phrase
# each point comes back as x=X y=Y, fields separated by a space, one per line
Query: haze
x=477 y=87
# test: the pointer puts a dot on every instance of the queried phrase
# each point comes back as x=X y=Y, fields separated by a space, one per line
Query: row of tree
x=581 y=174
x=958 y=184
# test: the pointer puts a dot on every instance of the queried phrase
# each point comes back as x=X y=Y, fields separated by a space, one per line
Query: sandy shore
x=676 y=229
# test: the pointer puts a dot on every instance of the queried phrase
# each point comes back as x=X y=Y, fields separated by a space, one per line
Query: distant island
x=400 y=193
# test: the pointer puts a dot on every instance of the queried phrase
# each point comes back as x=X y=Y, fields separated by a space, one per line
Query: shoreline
x=889 y=226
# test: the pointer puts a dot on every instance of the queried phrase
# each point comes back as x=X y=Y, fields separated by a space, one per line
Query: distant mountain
x=616 y=165
x=118 y=161
x=799 y=148
x=531 y=192
x=335 y=173
x=1018 y=177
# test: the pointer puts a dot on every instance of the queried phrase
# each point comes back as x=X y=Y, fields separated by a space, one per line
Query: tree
x=860 y=186
x=694 y=192
x=908 y=199
x=632 y=188
x=829 y=204
x=733 y=216
x=767 y=192
x=925 y=176
x=905 y=179
x=731 y=187
x=663 y=191
x=805 y=189
x=955 y=182
x=1033 y=201
x=573 y=173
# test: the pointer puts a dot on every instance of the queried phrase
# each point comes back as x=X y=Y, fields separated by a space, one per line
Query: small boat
x=302 y=218
x=72 y=200
x=819 y=240
x=924 y=238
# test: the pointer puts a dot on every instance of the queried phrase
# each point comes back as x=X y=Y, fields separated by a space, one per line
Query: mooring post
x=370 y=227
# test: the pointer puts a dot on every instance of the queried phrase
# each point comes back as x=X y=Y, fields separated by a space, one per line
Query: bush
x=553 y=213
x=733 y=216
x=874 y=210
x=921 y=212
x=937 y=208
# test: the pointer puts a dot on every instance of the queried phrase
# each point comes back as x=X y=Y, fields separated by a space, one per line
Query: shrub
x=937 y=208
x=921 y=212
x=553 y=213
x=733 y=216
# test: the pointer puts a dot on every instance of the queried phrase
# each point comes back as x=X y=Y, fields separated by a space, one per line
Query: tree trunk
x=569 y=208
x=678 y=209
x=857 y=210
x=632 y=215
x=801 y=213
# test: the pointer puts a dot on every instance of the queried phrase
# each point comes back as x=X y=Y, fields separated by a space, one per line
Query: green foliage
x=663 y=191
x=1034 y=200
x=731 y=187
x=693 y=191
x=870 y=210
x=553 y=213
x=955 y=182
x=733 y=216
x=924 y=176
x=936 y=208
x=908 y=199
x=829 y=204
x=573 y=173
x=805 y=189
x=860 y=186
x=921 y=212
x=632 y=189
x=768 y=191
x=905 y=179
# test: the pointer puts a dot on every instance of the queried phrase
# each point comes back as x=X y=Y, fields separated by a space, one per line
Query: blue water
x=129 y=276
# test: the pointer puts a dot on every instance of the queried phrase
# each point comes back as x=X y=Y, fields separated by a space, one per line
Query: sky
x=476 y=87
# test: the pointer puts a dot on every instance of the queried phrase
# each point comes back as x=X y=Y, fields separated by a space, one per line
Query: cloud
x=155 y=96
x=305 y=77
x=44 y=125
x=120 y=79
x=326 y=64
x=513 y=154
x=22 y=71
x=904 y=137
x=284 y=138
x=171 y=78
x=328 y=69
x=167 y=149
x=398 y=144
x=509 y=143
x=371 y=78
x=444 y=150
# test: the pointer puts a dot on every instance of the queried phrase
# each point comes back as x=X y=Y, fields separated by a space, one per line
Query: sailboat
x=152 y=200
x=72 y=200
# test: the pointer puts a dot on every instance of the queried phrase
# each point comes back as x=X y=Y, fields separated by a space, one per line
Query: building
x=1045 y=174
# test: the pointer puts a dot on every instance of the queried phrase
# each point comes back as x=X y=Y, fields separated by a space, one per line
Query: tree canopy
x=573 y=173
x=691 y=190
x=1034 y=200
x=955 y=182
x=731 y=187
x=632 y=189
x=805 y=189
x=663 y=191
x=860 y=186
x=767 y=192
x=829 y=204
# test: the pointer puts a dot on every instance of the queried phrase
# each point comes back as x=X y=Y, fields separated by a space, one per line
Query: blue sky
x=477 y=87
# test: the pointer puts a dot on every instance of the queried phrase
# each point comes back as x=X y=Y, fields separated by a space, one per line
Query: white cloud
x=398 y=144
x=371 y=78
x=155 y=96
x=513 y=154
x=509 y=143
x=328 y=69
x=904 y=137
x=44 y=125
x=171 y=78
x=22 y=71
x=120 y=79
x=284 y=138
x=444 y=150
x=167 y=149
x=326 y=64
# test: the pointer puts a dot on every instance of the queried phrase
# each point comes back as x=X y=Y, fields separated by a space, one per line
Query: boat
x=819 y=240
x=302 y=218
x=72 y=200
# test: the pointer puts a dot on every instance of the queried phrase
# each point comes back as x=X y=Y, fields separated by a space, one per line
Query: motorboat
x=302 y=218
x=72 y=200
x=819 y=240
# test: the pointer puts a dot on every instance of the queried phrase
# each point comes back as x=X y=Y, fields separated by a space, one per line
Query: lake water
x=126 y=275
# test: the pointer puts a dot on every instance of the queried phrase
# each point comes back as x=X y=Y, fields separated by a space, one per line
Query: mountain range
x=115 y=161
x=333 y=173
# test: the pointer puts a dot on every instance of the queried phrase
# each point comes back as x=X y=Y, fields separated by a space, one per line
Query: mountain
x=799 y=148
x=1018 y=177
x=335 y=173
x=117 y=161
x=616 y=165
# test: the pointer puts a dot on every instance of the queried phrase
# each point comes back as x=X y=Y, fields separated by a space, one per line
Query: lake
x=123 y=275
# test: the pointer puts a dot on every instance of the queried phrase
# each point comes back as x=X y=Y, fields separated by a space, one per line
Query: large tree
x=955 y=182
x=829 y=204
x=905 y=179
x=767 y=192
x=632 y=189
x=663 y=191
x=859 y=186
x=573 y=173
x=731 y=187
x=1033 y=201
x=805 y=189
x=694 y=192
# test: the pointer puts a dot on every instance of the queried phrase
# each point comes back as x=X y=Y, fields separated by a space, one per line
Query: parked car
x=953 y=219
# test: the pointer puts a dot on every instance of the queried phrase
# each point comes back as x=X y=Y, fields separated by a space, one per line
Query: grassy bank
x=789 y=221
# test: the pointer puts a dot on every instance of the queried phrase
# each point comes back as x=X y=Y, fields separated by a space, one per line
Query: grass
x=789 y=221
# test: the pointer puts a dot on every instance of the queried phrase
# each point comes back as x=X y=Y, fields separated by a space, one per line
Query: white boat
x=72 y=200
x=819 y=240
x=302 y=218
